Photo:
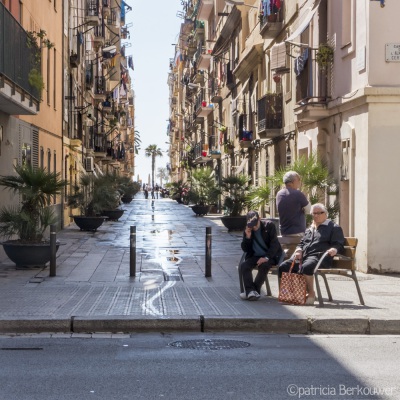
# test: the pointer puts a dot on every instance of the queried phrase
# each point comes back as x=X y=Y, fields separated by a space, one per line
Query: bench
x=343 y=265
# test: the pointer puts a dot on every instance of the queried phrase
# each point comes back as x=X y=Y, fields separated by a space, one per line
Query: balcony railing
x=269 y=109
x=311 y=82
x=19 y=56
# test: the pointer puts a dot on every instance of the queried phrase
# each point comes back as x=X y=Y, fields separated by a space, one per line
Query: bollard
x=53 y=250
x=208 y=252
x=132 y=260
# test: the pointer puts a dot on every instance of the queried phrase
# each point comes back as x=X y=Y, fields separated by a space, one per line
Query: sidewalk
x=93 y=291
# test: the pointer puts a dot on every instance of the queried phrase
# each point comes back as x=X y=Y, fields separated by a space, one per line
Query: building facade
x=255 y=85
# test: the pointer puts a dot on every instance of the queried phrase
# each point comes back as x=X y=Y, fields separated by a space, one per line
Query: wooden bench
x=343 y=265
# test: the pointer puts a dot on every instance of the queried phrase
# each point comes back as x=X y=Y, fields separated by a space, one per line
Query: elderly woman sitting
x=323 y=235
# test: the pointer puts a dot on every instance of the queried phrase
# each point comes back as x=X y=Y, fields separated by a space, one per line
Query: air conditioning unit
x=89 y=164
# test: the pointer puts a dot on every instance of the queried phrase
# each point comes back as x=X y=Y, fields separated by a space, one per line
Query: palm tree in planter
x=178 y=190
x=91 y=199
x=30 y=219
x=235 y=188
x=127 y=188
x=153 y=151
x=203 y=190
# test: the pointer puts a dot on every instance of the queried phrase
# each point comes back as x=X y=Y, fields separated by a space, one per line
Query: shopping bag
x=293 y=287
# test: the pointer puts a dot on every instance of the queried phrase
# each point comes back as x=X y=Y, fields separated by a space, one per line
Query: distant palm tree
x=137 y=142
x=162 y=174
x=153 y=151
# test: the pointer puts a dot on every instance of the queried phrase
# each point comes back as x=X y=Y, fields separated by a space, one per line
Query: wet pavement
x=94 y=292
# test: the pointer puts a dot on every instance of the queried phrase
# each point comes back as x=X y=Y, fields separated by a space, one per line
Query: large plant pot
x=28 y=255
x=200 y=210
x=126 y=199
x=113 y=215
x=88 y=223
x=234 y=223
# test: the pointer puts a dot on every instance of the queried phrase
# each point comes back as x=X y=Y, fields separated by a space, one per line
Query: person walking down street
x=292 y=206
x=323 y=235
x=146 y=192
x=157 y=190
x=263 y=250
x=152 y=193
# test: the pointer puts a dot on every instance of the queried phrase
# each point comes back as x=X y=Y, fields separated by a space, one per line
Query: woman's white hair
x=320 y=206
x=290 y=176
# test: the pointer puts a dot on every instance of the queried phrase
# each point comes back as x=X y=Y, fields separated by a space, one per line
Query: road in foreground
x=200 y=366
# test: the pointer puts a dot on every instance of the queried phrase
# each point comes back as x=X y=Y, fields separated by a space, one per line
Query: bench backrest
x=350 y=245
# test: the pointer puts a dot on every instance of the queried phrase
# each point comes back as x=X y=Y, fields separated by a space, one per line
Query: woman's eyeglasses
x=319 y=213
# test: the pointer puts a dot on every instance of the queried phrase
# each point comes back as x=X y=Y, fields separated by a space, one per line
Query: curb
x=34 y=325
x=128 y=324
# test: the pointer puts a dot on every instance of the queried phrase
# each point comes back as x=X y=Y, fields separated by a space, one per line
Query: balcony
x=106 y=8
x=99 y=88
x=269 y=111
x=201 y=155
x=312 y=90
x=98 y=36
x=205 y=9
x=20 y=81
x=272 y=24
x=92 y=17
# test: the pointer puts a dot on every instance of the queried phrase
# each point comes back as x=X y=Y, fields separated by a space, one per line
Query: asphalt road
x=200 y=366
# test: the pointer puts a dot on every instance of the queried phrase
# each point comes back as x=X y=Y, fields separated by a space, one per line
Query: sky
x=155 y=27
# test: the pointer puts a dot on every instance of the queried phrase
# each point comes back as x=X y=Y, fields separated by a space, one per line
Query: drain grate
x=209 y=344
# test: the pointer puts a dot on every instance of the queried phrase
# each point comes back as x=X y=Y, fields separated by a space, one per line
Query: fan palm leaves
x=235 y=188
x=36 y=186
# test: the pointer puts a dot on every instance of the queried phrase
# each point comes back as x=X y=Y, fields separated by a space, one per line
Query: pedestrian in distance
x=292 y=206
x=323 y=235
x=263 y=250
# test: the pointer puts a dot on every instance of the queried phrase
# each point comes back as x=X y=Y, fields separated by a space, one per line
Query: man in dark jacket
x=263 y=250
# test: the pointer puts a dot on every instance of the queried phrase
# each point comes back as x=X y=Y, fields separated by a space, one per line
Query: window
x=26 y=154
x=54 y=78
x=41 y=157
x=48 y=77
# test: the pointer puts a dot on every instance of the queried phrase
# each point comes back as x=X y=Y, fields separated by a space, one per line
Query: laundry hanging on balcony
x=130 y=63
x=300 y=62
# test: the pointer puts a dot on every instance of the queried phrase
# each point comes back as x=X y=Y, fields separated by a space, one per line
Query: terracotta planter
x=28 y=254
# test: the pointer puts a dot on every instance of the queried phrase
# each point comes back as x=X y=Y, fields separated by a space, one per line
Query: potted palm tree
x=178 y=190
x=88 y=200
x=29 y=220
x=203 y=190
x=235 y=188
x=127 y=188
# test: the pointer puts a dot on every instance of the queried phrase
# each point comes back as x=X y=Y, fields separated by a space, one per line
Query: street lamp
x=239 y=3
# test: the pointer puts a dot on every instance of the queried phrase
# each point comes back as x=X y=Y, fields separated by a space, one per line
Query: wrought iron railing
x=269 y=110
x=20 y=60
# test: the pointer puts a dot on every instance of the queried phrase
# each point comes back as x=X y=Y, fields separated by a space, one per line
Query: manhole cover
x=209 y=344
x=343 y=278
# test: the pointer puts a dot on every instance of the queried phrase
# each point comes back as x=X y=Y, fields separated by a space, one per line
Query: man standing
x=263 y=250
x=292 y=205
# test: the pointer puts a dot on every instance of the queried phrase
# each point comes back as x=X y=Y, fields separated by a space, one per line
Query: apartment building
x=256 y=84
x=31 y=87
x=66 y=102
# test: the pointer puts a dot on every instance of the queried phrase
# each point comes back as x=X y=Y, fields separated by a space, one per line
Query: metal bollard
x=53 y=250
x=132 y=260
x=208 y=252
